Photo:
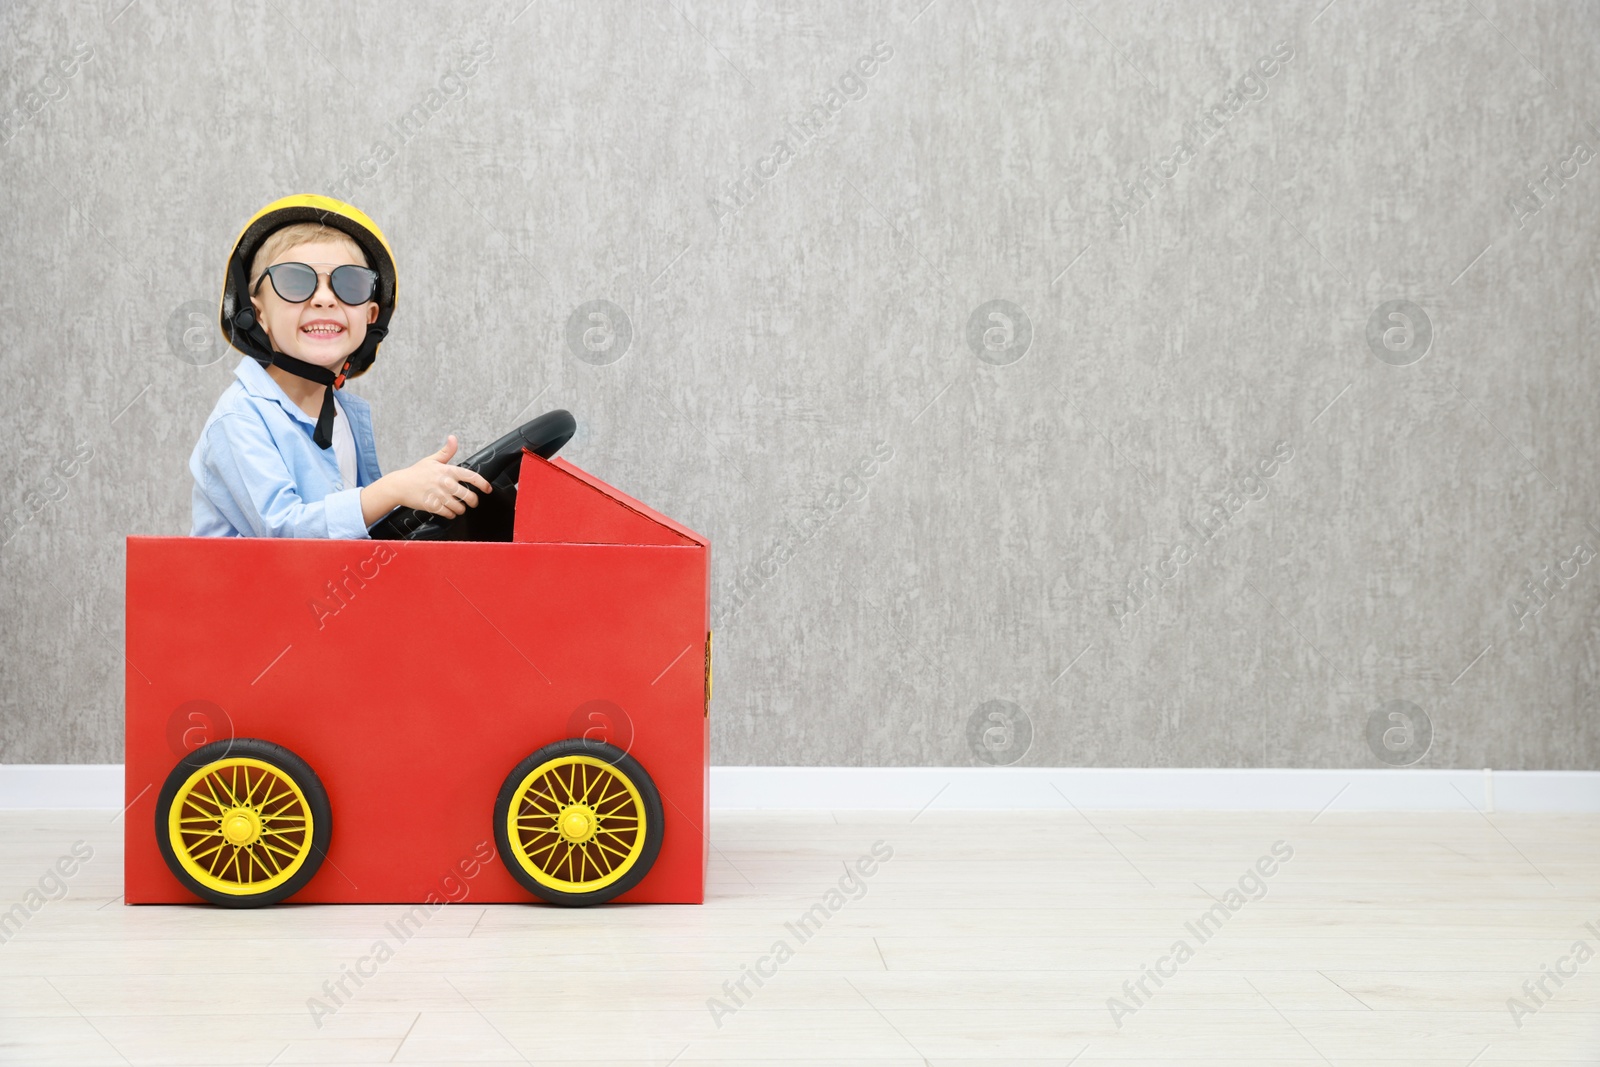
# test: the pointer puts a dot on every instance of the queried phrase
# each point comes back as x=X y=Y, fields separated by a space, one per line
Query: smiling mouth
x=321 y=331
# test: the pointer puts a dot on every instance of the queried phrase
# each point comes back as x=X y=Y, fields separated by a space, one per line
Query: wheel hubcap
x=241 y=826
x=577 y=823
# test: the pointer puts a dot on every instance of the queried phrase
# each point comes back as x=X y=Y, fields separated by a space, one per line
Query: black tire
x=648 y=805
x=285 y=765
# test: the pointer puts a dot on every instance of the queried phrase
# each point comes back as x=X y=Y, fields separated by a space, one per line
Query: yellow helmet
x=238 y=319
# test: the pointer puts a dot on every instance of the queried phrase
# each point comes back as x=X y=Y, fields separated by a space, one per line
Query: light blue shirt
x=257 y=473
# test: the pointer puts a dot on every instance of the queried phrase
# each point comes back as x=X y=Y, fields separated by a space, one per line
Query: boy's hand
x=431 y=484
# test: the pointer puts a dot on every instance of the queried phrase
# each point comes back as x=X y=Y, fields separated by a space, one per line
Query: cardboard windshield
x=559 y=503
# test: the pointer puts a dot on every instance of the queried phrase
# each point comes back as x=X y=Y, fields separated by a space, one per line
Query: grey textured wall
x=959 y=380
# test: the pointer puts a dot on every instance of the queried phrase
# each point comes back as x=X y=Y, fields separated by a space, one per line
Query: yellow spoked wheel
x=243 y=822
x=578 y=822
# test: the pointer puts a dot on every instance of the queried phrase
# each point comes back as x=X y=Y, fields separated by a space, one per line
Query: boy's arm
x=377 y=500
x=245 y=477
x=431 y=484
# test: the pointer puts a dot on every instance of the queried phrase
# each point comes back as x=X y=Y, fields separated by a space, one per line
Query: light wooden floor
x=993 y=937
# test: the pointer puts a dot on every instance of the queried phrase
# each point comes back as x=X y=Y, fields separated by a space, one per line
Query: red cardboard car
x=353 y=721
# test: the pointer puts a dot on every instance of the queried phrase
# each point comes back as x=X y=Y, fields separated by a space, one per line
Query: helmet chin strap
x=259 y=347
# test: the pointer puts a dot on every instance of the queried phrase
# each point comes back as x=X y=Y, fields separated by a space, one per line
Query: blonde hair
x=298 y=233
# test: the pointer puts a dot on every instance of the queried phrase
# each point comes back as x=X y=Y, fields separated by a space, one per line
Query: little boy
x=309 y=290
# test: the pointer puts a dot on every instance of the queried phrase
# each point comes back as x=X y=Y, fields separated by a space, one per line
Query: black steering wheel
x=500 y=464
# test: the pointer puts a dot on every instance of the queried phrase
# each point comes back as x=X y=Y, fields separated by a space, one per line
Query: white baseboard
x=61 y=786
x=99 y=786
x=1152 y=789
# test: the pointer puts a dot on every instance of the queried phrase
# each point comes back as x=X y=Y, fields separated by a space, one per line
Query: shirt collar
x=257 y=382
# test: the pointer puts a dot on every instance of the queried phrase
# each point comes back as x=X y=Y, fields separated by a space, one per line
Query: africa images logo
x=999 y=332
x=733 y=195
x=999 y=733
x=1250 y=886
x=1250 y=87
x=598 y=332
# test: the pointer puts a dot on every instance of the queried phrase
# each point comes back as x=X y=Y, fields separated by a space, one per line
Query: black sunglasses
x=295 y=282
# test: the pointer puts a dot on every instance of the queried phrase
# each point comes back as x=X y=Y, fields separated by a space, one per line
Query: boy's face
x=320 y=330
